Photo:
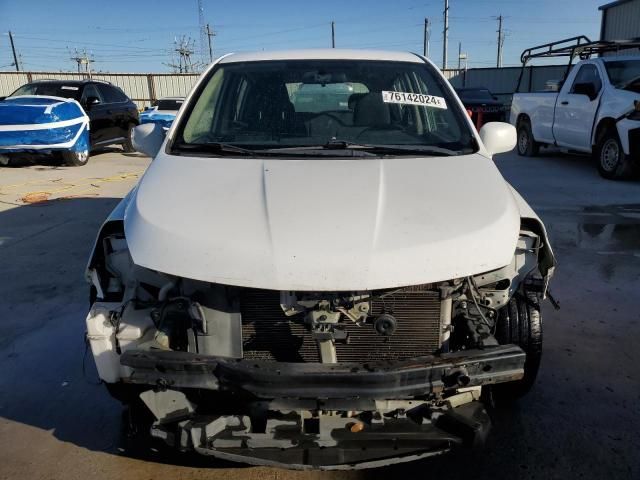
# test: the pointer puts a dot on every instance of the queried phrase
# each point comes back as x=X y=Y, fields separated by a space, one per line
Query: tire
x=127 y=145
x=520 y=323
x=75 y=159
x=527 y=146
x=612 y=162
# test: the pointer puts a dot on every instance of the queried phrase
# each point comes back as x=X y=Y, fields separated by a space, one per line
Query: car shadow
x=53 y=161
x=49 y=380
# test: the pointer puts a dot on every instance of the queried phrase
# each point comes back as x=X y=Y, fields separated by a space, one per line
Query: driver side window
x=89 y=91
x=587 y=74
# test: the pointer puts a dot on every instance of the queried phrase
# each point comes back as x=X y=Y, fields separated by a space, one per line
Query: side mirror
x=588 y=89
x=92 y=101
x=498 y=137
x=148 y=138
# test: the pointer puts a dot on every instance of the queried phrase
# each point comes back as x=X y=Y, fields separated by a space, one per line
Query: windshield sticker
x=414 y=99
x=68 y=88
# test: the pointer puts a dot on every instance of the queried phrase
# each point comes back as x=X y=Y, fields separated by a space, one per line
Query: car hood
x=322 y=224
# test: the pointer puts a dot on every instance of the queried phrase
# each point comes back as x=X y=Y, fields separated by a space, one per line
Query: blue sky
x=138 y=35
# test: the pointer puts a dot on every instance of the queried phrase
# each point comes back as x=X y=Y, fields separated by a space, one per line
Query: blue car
x=44 y=124
x=163 y=113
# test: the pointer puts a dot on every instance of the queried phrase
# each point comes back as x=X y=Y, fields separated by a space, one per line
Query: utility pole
x=210 y=33
x=500 y=41
x=445 y=33
x=459 y=55
x=425 y=46
x=13 y=49
x=333 y=34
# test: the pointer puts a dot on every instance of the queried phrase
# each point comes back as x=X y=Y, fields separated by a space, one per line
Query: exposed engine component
x=385 y=325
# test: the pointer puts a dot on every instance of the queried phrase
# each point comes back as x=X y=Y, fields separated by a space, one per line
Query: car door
x=114 y=113
x=119 y=111
x=98 y=117
x=576 y=108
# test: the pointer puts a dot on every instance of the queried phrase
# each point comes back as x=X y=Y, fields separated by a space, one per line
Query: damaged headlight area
x=329 y=380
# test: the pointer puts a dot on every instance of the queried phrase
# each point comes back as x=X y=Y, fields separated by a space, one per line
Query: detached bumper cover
x=399 y=379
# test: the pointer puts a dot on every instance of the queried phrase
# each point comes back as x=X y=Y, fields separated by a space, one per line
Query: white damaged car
x=332 y=284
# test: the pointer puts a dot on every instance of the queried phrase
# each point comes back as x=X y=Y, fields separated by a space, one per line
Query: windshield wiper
x=402 y=149
x=214 y=147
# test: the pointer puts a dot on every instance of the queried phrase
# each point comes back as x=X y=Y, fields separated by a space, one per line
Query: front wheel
x=75 y=159
x=527 y=146
x=612 y=162
x=520 y=323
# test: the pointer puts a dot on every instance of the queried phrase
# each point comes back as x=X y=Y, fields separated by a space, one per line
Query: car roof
x=323 y=54
x=68 y=82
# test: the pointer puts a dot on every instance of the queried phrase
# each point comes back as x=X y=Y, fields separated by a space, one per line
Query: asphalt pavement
x=582 y=419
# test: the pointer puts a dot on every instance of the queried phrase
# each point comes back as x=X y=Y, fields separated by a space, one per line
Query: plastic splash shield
x=36 y=123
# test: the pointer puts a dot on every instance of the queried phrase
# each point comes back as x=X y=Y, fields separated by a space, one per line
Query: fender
x=114 y=222
x=547 y=260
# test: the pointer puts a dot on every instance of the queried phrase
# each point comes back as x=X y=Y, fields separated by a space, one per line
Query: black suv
x=111 y=113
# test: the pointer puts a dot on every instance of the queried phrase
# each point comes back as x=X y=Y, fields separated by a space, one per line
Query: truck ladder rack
x=573 y=47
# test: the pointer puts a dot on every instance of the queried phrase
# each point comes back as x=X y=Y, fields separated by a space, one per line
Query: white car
x=328 y=289
x=597 y=111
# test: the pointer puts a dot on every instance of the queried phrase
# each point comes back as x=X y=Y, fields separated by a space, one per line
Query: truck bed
x=539 y=107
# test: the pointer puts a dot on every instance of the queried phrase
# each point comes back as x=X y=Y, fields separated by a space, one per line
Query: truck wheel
x=127 y=145
x=611 y=160
x=520 y=323
x=75 y=159
x=527 y=146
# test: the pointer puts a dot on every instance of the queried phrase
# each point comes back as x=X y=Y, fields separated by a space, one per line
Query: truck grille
x=268 y=334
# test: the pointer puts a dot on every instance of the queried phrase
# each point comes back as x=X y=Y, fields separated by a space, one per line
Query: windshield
x=279 y=104
x=624 y=74
x=170 y=104
x=51 y=90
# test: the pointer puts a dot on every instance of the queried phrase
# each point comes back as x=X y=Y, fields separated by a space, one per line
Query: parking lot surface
x=580 y=421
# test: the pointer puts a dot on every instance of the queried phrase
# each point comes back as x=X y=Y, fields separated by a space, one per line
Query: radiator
x=268 y=334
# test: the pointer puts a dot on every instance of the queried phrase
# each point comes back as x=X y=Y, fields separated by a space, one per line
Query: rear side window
x=111 y=94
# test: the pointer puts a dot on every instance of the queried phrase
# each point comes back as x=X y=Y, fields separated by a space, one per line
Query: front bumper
x=302 y=415
x=390 y=379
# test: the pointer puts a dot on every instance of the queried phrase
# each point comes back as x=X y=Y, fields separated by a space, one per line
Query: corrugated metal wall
x=621 y=22
x=140 y=87
x=144 y=88
x=503 y=81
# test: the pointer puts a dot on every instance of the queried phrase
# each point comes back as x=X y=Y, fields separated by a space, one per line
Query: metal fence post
x=152 y=90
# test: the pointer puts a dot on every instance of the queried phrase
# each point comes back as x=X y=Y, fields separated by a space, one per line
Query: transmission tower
x=183 y=49
x=83 y=60
x=204 y=38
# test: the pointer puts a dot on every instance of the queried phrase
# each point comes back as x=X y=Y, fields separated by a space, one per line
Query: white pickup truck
x=597 y=111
